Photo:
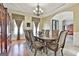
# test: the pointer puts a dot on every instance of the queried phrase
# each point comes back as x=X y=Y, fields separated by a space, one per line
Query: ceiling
x=28 y=8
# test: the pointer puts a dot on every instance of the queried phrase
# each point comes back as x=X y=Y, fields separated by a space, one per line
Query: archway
x=65 y=23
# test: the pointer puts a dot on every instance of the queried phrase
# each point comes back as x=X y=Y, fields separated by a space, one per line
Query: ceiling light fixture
x=38 y=10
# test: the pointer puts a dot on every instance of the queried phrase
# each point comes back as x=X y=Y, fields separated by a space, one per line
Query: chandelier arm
x=38 y=11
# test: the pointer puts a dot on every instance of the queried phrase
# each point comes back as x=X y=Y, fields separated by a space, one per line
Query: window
x=34 y=29
x=16 y=29
x=55 y=25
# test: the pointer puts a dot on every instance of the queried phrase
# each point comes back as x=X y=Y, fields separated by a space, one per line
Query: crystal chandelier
x=38 y=10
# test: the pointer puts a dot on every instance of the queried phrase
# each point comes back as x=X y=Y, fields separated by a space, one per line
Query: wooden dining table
x=46 y=40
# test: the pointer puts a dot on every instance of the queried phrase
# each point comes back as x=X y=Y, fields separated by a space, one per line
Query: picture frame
x=28 y=24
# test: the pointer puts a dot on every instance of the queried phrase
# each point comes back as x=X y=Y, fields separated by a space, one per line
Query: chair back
x=62 y=39
x=29 y=35
x=26 y=34
x=46 y=33
x=55 y=33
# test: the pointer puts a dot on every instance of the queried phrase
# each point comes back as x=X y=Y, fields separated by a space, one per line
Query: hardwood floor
x=3 y=46
x=18 y=48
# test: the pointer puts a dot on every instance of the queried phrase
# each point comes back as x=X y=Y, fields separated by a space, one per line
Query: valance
x=18 y=17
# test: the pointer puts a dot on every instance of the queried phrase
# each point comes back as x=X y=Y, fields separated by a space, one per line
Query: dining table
x=46 y=40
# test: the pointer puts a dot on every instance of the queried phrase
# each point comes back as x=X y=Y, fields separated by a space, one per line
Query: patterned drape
x=18 y=20
x=36 y=22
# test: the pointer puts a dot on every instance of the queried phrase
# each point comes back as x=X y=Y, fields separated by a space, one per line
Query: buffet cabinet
x=5 y=36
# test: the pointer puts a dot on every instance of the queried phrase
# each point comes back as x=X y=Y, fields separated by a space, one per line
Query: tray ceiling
x=28 y=8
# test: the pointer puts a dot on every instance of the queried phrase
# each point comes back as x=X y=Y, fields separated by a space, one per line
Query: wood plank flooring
x=18 y=48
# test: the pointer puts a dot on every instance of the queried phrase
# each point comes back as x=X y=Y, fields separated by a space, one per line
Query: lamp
x=38 y=10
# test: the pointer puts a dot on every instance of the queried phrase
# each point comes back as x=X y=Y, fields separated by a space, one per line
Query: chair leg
x=35 y=52
x=62 y=52
x=55 y=53
x=31 y=48
x=44 y=49
x=41 y=51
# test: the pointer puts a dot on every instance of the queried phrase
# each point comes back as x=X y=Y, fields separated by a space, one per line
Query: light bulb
x=36 y=9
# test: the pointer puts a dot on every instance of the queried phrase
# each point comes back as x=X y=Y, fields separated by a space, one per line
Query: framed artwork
x=70 y=29
x=28 y=24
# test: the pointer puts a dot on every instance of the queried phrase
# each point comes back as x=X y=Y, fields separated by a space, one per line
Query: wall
x=46 y=23
x=28 y=19
x=67 y=16
x=75 y=10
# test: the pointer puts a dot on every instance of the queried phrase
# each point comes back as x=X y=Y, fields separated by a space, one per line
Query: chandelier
x=38 y=10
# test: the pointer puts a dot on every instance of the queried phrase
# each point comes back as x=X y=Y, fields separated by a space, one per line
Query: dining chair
x=59 y=44
x=47 y=33
x=37 y=45
x=28 y=38
x=55 y=33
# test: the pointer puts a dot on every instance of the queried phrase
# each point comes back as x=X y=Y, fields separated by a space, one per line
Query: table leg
x=46 y=49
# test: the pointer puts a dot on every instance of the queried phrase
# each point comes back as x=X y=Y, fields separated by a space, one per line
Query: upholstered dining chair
x=37 y=45
x=55 y=33
x=59 y=44
x=28 y=38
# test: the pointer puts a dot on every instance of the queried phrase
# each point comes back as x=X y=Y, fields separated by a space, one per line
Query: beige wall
x=41 y=24
x=46 y=21
x=75 y=10
x=28 y=19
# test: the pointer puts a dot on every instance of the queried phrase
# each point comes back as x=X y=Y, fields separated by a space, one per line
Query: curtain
x=35 y=25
